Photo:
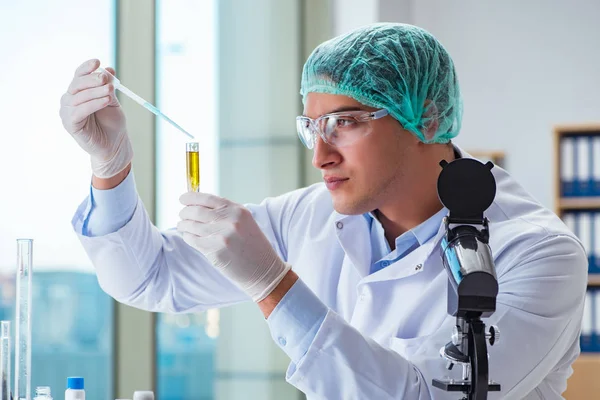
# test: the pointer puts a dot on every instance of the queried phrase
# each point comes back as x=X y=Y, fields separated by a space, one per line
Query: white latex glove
x=228 y=236
x=91 y=113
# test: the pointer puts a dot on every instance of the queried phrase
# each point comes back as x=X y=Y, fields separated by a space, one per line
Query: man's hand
x=91 y=113
x=228 y=236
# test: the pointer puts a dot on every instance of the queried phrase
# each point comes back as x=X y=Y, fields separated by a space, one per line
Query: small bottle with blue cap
x=75 y=390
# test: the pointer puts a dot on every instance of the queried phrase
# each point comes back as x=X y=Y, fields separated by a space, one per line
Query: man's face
x=370 y=172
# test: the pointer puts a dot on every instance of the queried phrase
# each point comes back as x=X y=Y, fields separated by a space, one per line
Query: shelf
x=577 y=129
x=584 y=383
x=492 y=154
x=578 y=203
x=589 y=357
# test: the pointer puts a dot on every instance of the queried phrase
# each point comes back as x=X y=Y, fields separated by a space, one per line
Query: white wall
x=350 y=14
x=524 y=66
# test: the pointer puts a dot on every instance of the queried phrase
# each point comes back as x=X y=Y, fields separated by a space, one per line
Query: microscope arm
x=479 y=361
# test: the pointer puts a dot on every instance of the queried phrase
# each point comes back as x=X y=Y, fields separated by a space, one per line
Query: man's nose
x=324 y=154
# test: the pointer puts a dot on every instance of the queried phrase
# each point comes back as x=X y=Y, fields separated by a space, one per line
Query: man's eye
x=345 y=122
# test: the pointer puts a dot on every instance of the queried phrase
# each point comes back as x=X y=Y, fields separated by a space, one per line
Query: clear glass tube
x=23 y=316
x=5 y=354
x=192 y=154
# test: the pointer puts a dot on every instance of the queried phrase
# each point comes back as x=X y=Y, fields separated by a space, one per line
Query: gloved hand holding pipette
x=91 y=113
x=118 y=85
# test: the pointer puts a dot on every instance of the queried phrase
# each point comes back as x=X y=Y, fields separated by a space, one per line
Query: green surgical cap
x=399 y=67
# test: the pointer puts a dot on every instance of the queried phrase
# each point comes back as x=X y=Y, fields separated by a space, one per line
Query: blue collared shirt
x=111 y=209
x=383 y=256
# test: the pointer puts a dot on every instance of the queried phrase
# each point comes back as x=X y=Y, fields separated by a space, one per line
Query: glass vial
x=192 y=156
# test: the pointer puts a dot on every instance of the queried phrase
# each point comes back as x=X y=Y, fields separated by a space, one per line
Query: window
x=45 y=177
x=186 y=79
x=226 y=353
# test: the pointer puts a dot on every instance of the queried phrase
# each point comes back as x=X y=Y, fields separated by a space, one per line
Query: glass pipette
x=142 y=102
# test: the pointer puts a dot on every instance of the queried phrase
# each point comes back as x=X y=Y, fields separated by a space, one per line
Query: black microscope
x=467 y=188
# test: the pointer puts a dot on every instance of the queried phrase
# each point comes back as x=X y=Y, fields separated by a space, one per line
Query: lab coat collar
x=353 y=234
x=427 y=229
x=415 y=262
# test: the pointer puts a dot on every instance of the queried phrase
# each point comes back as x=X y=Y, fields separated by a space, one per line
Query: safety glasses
x=337 y=129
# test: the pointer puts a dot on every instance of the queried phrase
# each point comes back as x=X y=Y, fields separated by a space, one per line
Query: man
x=347 y=272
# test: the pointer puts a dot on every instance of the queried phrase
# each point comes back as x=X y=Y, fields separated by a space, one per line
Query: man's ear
x=431 y=120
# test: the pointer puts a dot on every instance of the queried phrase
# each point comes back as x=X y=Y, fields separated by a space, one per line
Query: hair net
x=399 y=67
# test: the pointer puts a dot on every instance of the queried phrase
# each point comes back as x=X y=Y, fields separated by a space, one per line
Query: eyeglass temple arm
x=379 y=113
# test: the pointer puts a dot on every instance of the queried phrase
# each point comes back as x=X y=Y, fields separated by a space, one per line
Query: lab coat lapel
x=414 y=263
x=354 y=236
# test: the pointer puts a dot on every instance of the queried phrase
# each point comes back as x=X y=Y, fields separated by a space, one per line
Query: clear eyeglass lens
x=338 y=130
x=343 y=130
x=304 y=132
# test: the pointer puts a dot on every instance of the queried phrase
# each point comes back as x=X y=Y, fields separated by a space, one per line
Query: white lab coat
x=383 y=332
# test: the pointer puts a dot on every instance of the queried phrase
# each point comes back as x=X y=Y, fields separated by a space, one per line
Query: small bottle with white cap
x=75 y=390
x=143 y=395
x=43 y=393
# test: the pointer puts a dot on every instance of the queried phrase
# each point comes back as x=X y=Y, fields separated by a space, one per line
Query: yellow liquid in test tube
x=192 y=156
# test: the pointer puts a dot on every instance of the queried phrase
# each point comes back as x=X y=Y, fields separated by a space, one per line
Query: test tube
x=5 y=393
x=23 y=315
x=192 y=155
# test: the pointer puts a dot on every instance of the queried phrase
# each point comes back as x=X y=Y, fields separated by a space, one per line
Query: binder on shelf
x=592 y=252
x=582 y=167
x=567 y=166
x=596 y=267
x=596 y=165
x=587 y=323
x=569 y=220
x=584 y=233
x=595 y=320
